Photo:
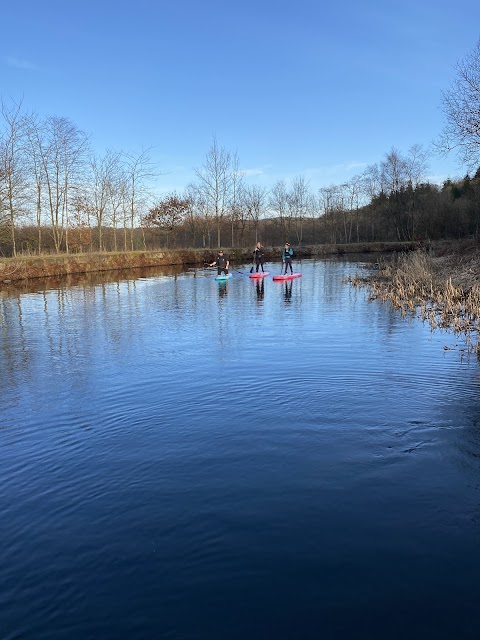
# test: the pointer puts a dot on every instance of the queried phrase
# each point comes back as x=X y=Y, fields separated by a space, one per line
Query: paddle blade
x=251 y=270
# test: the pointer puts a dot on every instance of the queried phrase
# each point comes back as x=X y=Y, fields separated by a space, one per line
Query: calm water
x=186 y=459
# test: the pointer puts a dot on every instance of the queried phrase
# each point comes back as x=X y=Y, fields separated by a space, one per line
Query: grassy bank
x=440 y=284
x=26 y=267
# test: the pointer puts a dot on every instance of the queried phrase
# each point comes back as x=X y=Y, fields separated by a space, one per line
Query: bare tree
x=140 y=170
x=343 y=208
x=116 y=188
x=278 y=202
x=13 y=166
x=32 y=125
x=61 y=149
x=416 y=164
x=371 y=187
x=298 y=200
x=416 y=167
x=80 y=228
x=328 y=197
x=461 y=106
x=199 y=215
x=371 y=181
x=215 y=181
x=254 y=200
x=103 y=176
x=393 y=171
x=354 y=192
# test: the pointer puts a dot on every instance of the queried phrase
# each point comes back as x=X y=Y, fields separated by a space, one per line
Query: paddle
x=253 y=262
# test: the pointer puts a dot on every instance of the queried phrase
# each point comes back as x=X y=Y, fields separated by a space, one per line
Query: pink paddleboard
x=290 y=276
x=260 y=274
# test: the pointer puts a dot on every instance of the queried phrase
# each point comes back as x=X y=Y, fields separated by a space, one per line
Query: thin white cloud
x=353 y=166
x=17 y=63
x=252 y=172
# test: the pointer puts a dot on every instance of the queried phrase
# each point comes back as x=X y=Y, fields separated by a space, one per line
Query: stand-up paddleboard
x=260 y=274
x=223 y=277
x=290 y=276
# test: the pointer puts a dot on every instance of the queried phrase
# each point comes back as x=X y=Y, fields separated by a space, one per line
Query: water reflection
x=287 y=290
x=222 y=289
x=260 y=289
x=37 y=285
x=294 y=433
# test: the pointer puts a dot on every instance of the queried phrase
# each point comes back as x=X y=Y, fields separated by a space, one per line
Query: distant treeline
x=409 y=213
x=59 y=196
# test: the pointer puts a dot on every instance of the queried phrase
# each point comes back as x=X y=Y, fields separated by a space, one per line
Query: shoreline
x=23 y=268
x=441 y=285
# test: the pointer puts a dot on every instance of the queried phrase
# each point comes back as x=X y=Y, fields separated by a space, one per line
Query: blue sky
x=319 y=89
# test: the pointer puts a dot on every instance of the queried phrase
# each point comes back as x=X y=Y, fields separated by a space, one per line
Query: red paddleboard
x=291 y=276
x=260 y=274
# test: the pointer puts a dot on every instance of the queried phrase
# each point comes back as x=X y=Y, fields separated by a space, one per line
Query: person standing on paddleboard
x=259 y=256
x=287 y=254
x=222 y=263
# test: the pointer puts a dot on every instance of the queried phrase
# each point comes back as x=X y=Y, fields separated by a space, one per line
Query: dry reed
x=443 y=291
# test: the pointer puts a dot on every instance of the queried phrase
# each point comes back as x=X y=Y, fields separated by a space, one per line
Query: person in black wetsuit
x=287 y=254
x=222 y=263
x=259 y=256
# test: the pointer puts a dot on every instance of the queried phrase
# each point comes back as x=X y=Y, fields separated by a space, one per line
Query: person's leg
x=257 y=264
x=219 y=271
x=261 y=262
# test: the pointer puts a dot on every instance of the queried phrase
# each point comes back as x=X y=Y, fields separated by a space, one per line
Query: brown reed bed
x=441 y=284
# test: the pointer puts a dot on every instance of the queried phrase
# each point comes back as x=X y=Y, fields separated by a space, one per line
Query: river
x=182 y=458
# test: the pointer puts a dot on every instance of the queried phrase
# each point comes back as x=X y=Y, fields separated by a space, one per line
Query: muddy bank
x=26 y=267
x=441 y=284
x=22 y=268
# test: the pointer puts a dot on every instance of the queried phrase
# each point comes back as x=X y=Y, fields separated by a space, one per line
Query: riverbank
x=26 y=267
x=441 y=284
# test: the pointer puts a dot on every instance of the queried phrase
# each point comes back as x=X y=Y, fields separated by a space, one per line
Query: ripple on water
x=186 y=460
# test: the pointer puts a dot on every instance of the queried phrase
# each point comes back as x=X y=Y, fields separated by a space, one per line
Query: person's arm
x=228 y=264
x=212 y=264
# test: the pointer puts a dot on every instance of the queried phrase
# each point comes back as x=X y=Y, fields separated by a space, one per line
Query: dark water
x=181 y=458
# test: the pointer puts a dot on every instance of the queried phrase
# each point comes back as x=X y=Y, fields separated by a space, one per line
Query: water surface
x=181 y=458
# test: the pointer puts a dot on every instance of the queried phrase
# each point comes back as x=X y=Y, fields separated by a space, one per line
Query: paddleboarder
x=287 y=254
x=221 y=262
x=259 y=256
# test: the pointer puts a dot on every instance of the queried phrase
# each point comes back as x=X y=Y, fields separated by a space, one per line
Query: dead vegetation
x=441 y=284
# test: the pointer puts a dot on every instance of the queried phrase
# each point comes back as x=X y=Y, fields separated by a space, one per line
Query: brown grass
x=444 y=290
